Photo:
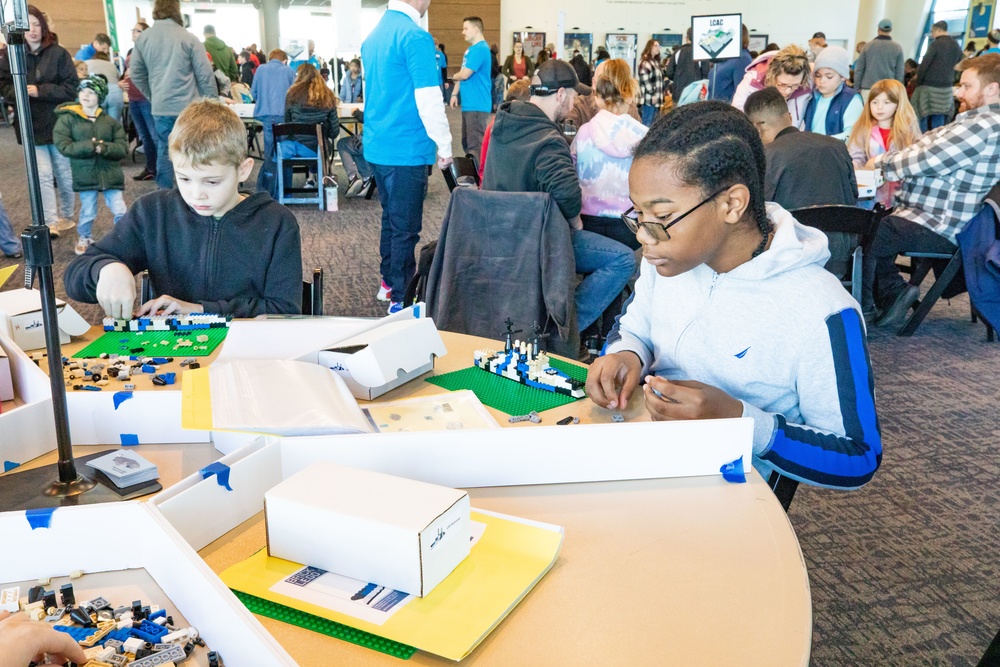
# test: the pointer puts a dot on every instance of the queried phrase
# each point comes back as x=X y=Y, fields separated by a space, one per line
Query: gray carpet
x=903 y=572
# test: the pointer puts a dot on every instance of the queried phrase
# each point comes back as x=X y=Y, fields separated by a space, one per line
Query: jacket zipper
x=708 y=303
x=210 y=260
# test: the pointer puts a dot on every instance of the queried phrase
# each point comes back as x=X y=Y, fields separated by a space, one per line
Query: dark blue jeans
x=928 y=123
x=164 y=169
x=401 y=190
x=142 y=116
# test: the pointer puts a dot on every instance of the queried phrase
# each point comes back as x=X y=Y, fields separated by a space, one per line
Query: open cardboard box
x=152 y=544
x=26 y=431
x=541 y=455
x=21 y=319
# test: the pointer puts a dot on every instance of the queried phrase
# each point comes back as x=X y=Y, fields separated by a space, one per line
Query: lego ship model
x=189 y=322
x=522 y=362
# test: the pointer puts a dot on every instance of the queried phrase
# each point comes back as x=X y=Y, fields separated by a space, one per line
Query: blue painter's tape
x=9 y=465
x=221 y=472
x=129 y=439
x=39 y=518
x=733 y=472
x=120 y=397
x=416 y=311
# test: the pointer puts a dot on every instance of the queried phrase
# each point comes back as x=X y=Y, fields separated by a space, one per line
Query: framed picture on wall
x=533 y=42
x=622 y=45
x=716 y=36
x=578 y=41
x=758 y=43
x=668 y=40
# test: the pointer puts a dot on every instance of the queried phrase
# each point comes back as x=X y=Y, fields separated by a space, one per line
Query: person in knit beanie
x=97 y=83
x=834 y=107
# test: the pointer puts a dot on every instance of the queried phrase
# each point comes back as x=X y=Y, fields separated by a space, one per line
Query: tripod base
x=36 y=488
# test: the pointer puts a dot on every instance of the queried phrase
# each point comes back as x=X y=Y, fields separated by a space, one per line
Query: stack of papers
x=125 y=468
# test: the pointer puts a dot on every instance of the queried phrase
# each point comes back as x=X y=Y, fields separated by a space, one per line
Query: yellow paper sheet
x=7 y=272
x=460 y=612
x=196 y=400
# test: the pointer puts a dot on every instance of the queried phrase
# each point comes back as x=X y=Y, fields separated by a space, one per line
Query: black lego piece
x=81 y=617
x=35 y=593
x=67 y=595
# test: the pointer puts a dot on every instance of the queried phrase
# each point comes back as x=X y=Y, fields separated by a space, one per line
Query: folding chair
x=312 y=294
x=921 y=267
x=288 y=132
x=462 y=173
x=845 y=220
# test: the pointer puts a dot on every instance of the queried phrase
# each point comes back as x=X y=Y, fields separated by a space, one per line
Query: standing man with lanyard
x=477 y=93
x=405 y=129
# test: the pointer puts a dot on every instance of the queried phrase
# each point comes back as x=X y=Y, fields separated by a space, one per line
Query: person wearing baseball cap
x=881 y=59
x=933 y=99
x=528 y=153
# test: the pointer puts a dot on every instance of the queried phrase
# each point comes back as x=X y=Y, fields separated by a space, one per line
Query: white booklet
x=282 y=397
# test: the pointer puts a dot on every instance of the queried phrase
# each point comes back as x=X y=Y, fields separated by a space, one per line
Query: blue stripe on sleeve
x=615 y=335
x=847 y=461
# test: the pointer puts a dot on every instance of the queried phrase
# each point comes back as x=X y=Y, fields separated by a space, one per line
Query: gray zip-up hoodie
x=170 y=68
x=780 y=334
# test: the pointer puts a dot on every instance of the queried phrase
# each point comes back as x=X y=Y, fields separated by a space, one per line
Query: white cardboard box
x=21 y=319
x=392 y=531
x=27 y=431
x=6 y=383
x=381 y=359
x=222 y=620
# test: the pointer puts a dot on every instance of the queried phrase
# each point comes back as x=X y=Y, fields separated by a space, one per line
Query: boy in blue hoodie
x=733 y=314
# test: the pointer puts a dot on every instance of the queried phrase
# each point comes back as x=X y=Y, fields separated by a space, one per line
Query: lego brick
x=10 y=599
x=149 y=632
x=174 y=654
x=325 y=626
x=74 y=631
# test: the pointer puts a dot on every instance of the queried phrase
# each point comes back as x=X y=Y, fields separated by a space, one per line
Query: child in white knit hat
x=834 y=107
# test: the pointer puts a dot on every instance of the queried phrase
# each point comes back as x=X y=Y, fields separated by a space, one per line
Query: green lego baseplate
x=123 y=342
x=324 y=626
x=507 y=395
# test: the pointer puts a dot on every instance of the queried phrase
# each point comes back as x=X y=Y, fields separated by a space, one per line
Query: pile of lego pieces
x=93 y=376
x=137 y=635
x=190 y=322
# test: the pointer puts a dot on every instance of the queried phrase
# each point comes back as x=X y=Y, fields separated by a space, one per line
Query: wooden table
x=691 y=571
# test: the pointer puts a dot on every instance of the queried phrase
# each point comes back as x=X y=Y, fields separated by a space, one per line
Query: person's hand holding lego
x=23 y=642
x=116 y=290
x=687 y=399
x=612 y=379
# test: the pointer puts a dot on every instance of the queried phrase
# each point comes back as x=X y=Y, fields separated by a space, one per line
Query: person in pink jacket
x=786 y=70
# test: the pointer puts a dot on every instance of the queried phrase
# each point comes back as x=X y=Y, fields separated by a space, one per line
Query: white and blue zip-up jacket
x=780 y=334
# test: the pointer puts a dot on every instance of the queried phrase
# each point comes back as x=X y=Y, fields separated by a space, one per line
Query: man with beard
x=529 y=154
x=945 y=177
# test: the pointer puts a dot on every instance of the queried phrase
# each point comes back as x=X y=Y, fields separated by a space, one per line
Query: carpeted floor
x=903 y=572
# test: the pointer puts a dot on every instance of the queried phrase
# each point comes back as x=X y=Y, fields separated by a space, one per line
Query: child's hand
x=26 y=641
x=612 y=379
x=686 y=399
x=116 y=290
x=168 y=305
x=871 y=163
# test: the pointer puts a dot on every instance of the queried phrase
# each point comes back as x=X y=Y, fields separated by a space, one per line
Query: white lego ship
x=522 y=362
x=190 y=322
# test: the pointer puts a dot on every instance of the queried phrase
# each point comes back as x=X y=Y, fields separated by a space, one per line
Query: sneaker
x=384 y=293
x=144 y=175
x=16 y=255
x=366 y=186
x=81 y=245
x=63 y=225
x=53 y=232
x=395 y=307
x=150 y=176
x=354 y=186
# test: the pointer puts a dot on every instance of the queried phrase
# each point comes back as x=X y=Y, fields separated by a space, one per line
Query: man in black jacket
x=529 y=154
x=683 y=70
x=933 y=100
x=803 y=168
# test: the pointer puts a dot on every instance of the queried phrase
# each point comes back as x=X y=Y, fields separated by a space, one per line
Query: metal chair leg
x=937 y=289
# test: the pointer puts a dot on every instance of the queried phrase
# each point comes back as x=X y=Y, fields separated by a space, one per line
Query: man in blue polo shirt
x=477 y=89
x=405 y=128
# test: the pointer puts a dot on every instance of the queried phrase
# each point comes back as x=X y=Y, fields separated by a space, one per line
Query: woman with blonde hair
x=887 y=123
x=309 y=101
x=602 y=151
x=787 y=71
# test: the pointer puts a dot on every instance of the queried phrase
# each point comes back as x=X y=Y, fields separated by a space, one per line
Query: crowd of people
x=694 y=166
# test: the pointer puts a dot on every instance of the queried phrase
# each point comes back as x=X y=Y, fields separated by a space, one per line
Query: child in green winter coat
x=95 y=144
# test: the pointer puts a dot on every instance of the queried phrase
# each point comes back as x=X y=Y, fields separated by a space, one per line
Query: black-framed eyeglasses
x=658 y=230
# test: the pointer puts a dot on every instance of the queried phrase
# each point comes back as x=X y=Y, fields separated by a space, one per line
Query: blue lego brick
x=158 y=614
x=146 y=368
x=74 y=631
x=121 y=635
x=149 y=632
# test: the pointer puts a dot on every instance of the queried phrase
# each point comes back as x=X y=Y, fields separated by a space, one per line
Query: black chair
x=462 y=173
x=859 y=222
x=289 y=132
x=312 y=294
x=921 y=266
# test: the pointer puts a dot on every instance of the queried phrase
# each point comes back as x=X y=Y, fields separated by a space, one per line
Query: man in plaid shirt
x=945 y=176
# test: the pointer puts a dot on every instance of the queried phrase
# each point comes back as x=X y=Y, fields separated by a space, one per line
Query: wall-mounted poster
x=578 y=41
x=622 y=45
x=668 y=40
x=533 y=42
x=758 y=43
x=716 y=37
